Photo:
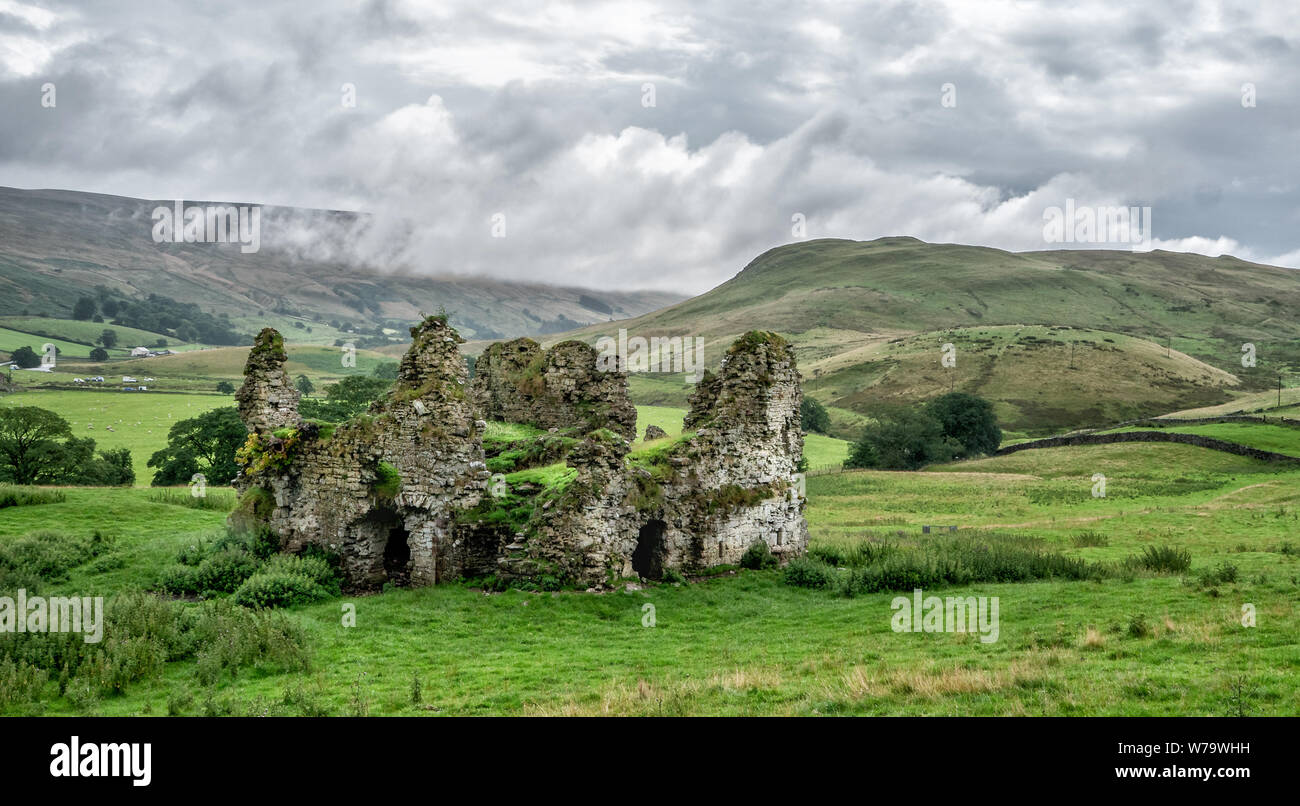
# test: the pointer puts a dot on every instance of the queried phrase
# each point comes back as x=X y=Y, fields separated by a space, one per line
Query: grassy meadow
x=745 y=642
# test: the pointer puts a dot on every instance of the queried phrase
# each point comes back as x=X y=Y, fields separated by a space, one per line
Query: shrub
x=224 y=571
x=806 y=572
x=1086 y=539
x=49 y=556
x=230 y=638
x=141 y=634
x=1224 y=573
x=1137 y=627
x=20 y=682
x=671 y=576
x=278 y=589
x=1163 y=559
x=179 y=580
x=758 y=556
x=314 y=567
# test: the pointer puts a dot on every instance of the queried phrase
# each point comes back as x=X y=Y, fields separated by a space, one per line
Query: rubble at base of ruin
x=403 y=494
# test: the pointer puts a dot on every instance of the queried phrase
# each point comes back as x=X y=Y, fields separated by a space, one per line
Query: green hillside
x=86 y=333
x=58 y=245
x=1057 y=339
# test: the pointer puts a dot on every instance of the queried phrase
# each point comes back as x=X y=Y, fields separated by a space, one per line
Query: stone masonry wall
x=717 y=491
x=519 y=382
x=397 y=473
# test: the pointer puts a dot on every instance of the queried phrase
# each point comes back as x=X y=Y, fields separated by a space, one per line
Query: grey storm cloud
x=533 y=116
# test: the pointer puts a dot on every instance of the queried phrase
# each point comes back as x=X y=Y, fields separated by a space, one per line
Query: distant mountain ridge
x=56 y=245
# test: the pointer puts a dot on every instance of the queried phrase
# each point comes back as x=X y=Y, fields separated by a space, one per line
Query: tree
x=84 y=308
x=25 y=358
x=387 y=370
x=99 y=354
x=111 y=468
x=969 y=420
x=74 y=462
x=226 y=388
x=305 y=386
x=27 y=435
x=902 y=439
x=813 y=416
x=205 y=444
x=108 y=338
x=344 y=399
x=109 y=307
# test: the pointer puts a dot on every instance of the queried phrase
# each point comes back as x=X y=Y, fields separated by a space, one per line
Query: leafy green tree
x=84 y=308
x=902 y=439
x=99 y=354
x=108 y=338
x=28 y=436
x=344 y=399
x=386 y=370
x=25 y=357
x=74 y=461
x=205 y=444
x=111 y=468
x=969 y=420
x=813 y=416
x=226 y=387
x=304 y=385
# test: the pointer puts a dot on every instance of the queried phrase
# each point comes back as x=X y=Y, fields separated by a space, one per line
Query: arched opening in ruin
x=397 y=556
x=648 y=556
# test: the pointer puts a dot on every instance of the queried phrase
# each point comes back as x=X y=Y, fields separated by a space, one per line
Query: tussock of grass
x=215 y=500
x=16 y=496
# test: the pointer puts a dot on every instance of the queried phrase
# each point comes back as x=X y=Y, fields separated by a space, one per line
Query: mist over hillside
x=320 y=265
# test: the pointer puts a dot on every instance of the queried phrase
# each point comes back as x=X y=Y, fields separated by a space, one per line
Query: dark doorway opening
x=397 y=556
x=648 y=556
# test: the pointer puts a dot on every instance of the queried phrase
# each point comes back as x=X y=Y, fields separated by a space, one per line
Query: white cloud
x=827 y=109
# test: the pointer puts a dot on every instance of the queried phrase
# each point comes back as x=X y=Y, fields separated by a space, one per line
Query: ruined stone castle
x=404 y=493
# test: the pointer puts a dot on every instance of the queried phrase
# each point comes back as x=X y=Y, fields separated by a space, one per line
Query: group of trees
x=954 y=426
x=184 y=320
x=347 y=398
x=37 y=447
x=25 y=358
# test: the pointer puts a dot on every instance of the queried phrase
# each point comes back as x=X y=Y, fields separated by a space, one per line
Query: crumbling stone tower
x=268 y=399
x=562 y=387
x=380 y=489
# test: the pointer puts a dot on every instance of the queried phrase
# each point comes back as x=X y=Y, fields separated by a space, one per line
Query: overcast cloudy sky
x=761 y=110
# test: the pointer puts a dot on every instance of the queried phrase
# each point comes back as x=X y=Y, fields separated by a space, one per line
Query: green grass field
x=87 y=332
x=140 y=420
x=749 y=644
x=11 y=340
x=1276 y=438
